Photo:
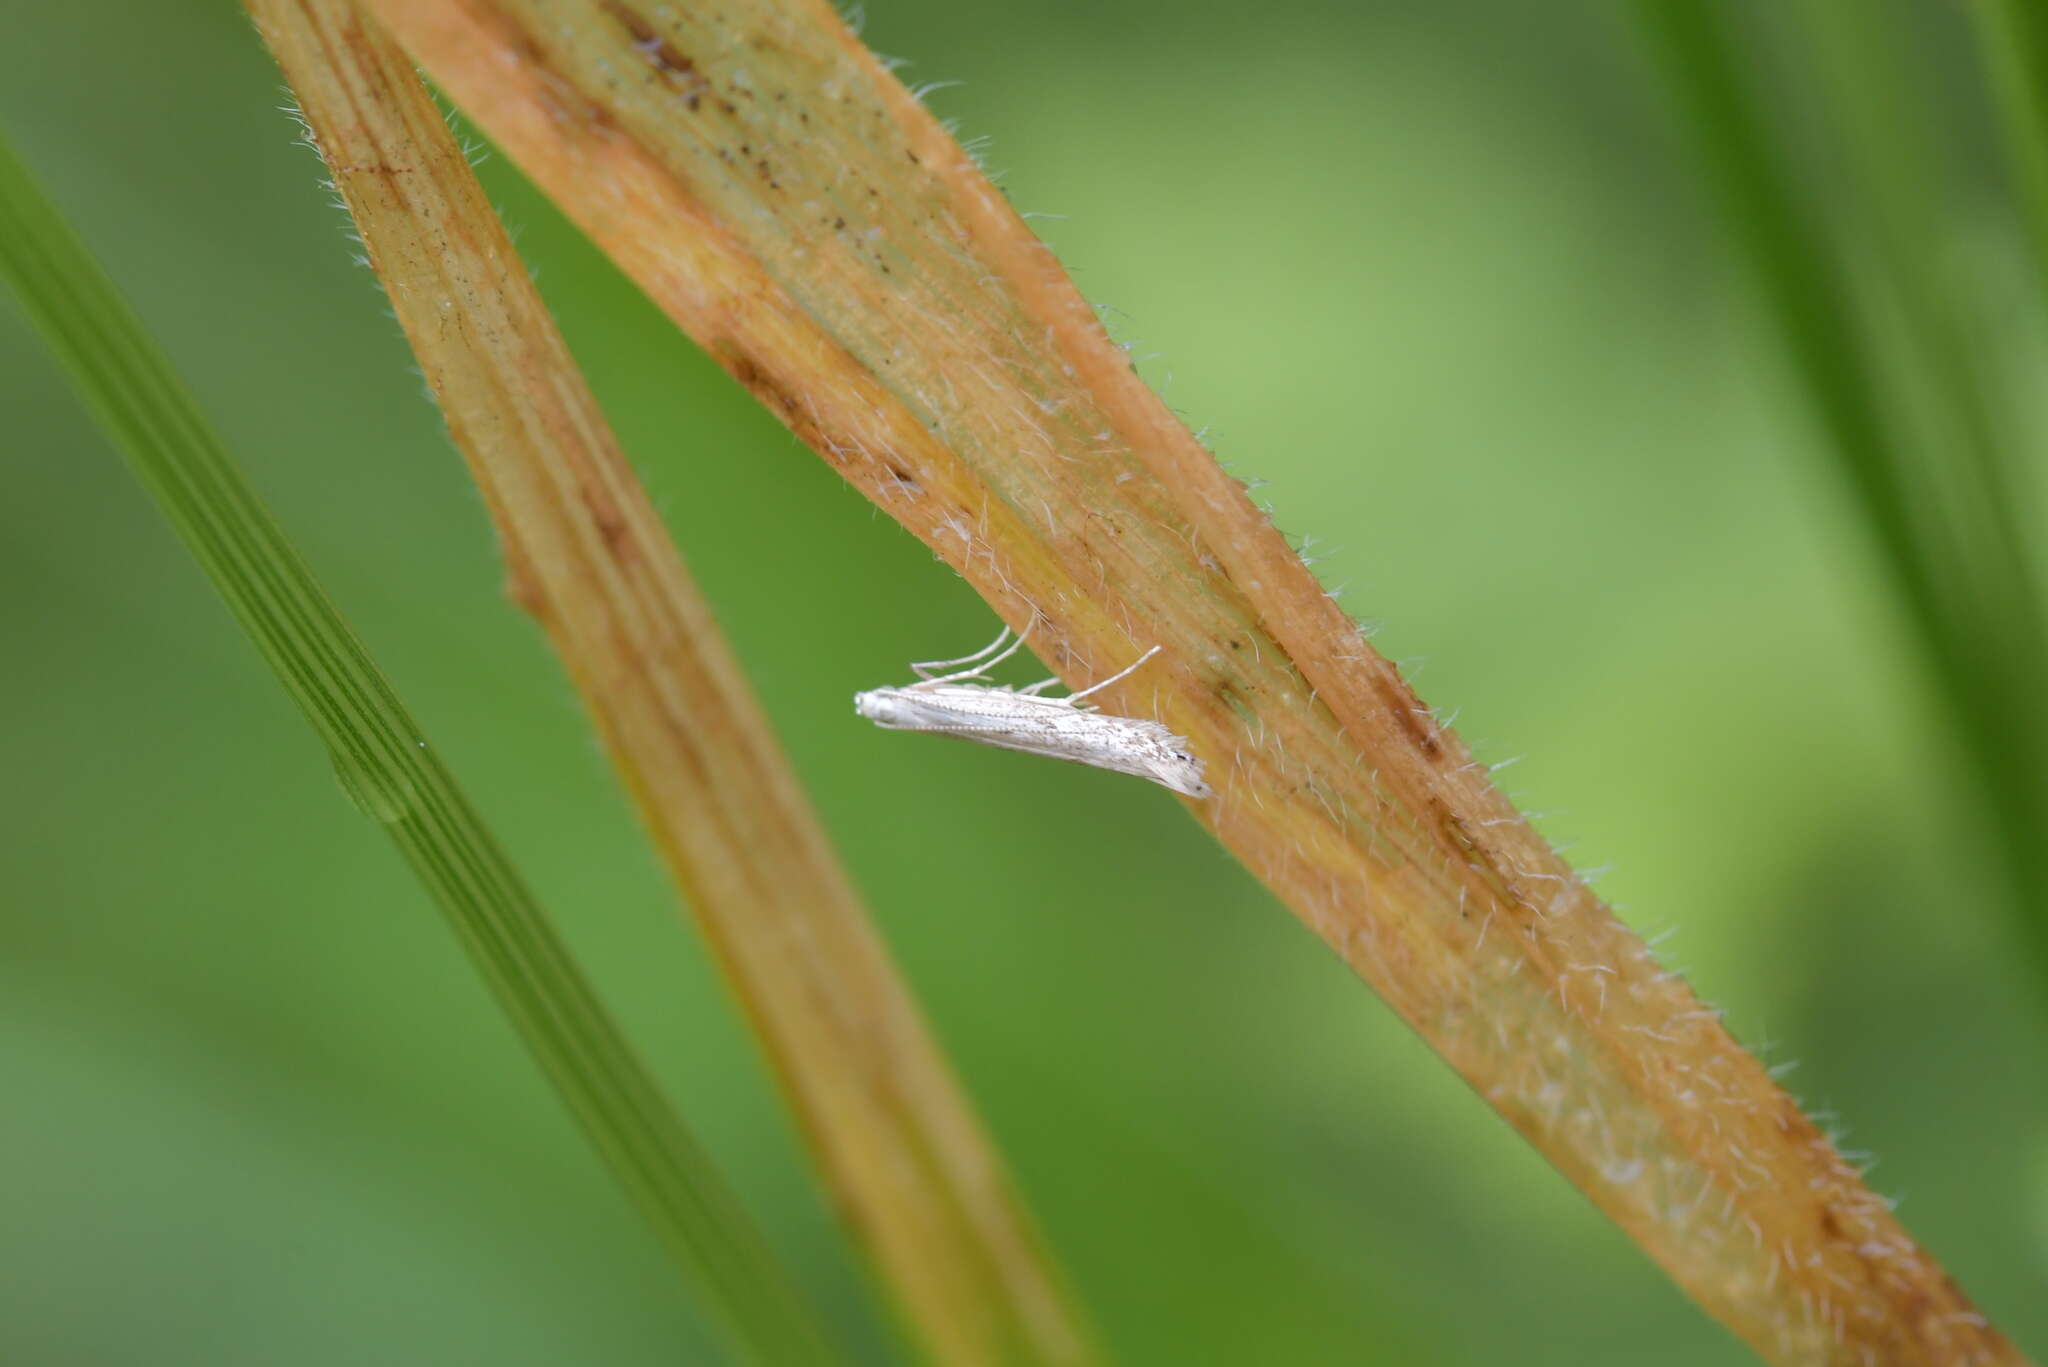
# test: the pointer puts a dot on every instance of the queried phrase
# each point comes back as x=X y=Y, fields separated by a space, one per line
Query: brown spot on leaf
x=771 y=392
x=764 y=386
x=1406 y=710
x=566 y=103
x=673 y=65
x=522 y=585
x=611 y=525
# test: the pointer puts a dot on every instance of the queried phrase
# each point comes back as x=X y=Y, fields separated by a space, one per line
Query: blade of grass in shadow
x=801 y=214
x=1900 y=208
x=897 y=1140
x=1968 y=599
x=388 y=768
x=2012 y=36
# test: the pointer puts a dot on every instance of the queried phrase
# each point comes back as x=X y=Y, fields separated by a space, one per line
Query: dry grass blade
x=808 y=221
x=590 y=559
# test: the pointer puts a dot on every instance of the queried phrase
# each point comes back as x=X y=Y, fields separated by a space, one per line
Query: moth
x=1024 y=719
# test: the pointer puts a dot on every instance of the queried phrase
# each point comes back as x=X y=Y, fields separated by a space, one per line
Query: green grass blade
x=1800 y=279
x=1902 y=213
x=2013 y=36
x=395 y=776
x=1968 y=597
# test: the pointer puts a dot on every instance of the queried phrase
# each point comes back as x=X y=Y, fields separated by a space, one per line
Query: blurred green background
x=1443 y=272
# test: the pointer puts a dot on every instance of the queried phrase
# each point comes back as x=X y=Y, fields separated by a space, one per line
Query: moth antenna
x=923 y=668
x=980 y=670
x=1123 y=673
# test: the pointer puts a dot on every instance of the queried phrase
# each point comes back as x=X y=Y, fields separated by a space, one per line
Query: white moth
x=1021 y=719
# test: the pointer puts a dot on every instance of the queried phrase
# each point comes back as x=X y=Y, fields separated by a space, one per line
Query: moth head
x=878 y=705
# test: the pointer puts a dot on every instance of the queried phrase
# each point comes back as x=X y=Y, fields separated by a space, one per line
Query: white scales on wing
x=1024 y=719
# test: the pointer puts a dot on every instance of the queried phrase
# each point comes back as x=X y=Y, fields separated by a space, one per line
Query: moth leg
x=1123 y=673
x=1033 y=690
